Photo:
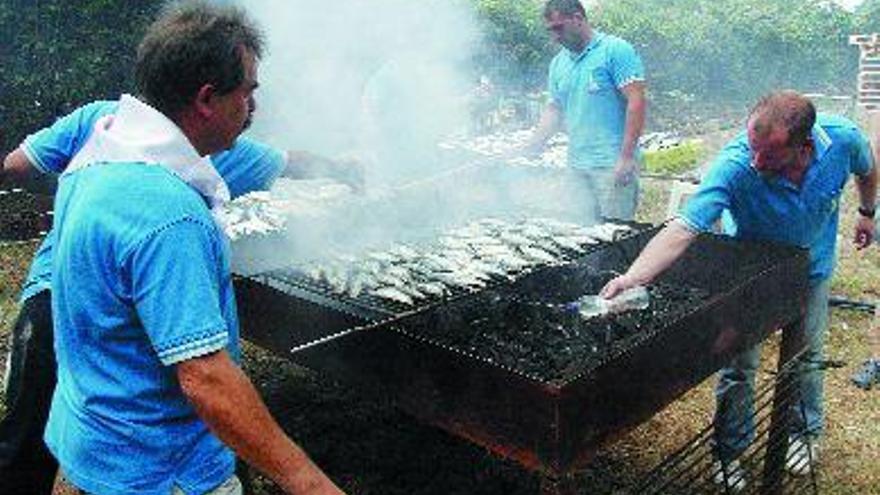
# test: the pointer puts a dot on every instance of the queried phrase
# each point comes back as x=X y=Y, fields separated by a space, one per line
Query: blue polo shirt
x=246 y=167
x=140 y=282
x=777 y=210
x=586 y=87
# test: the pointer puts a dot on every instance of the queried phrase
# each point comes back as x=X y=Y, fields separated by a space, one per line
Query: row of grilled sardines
x=263 y=213
x=465 y=258
x=555 y=154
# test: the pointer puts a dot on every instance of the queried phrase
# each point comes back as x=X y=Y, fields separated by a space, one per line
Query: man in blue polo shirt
x=163 y=319
x=780 y=181
x=597 y=88
x=248 y=166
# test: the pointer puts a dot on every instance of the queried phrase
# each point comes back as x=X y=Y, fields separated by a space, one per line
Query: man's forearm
x=17 y=171
x=302 y=164
x=228 y=403
x=636 y=108
x=866 y=186
x=548 y=125
x=306 y=165
x=661 y=252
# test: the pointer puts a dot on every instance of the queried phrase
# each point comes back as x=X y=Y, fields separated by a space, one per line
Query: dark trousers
x=26 y=466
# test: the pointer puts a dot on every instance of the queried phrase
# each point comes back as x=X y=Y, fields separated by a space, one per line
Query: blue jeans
x=735 y=392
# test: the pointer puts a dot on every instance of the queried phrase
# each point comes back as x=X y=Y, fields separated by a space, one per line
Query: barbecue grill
x=506 y=367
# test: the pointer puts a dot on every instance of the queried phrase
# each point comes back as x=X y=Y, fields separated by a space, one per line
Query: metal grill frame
x=549 y=428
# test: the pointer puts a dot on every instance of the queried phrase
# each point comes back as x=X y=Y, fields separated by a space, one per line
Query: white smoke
x=403 y=61
x=385 y=80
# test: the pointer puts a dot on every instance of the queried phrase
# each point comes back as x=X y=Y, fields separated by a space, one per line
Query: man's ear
x=205 y=99
x=809 y=143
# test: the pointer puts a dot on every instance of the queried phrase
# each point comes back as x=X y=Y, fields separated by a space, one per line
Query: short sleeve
x=626 y=65
x=862 y=159
x=715 y=193
x=176 y=290
x=50 y=149
x=249 y=166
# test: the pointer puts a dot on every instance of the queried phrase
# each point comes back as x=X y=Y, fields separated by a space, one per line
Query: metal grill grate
x=692 y=470
x=295 y=282
x=554 y=426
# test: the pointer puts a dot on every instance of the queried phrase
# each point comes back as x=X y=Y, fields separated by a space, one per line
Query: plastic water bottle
x=592 y=306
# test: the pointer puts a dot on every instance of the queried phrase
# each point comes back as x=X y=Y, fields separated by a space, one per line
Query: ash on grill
x=536 y=334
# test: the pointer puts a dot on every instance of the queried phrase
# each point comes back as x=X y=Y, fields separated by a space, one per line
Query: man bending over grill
x=781 y=181
x=146 y=371
x=597 y=87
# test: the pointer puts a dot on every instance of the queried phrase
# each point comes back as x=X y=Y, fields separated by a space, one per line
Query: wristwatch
x=867 y=212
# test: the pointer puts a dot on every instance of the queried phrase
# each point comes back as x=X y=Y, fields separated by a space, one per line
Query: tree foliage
x=868 y=17
x=57 y=54
x=737 y=48
x=704 y=52
x=517 y=48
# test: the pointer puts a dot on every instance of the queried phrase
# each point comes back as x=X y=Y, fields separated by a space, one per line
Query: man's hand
x=625 y=171
x=661 y=252
x=617 y=285
x=550 y=122
x=348 y=170
x=307 y=165
x=864 y=232
x=226 y=400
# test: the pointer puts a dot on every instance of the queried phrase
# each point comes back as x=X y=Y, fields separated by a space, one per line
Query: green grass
x=676 y=160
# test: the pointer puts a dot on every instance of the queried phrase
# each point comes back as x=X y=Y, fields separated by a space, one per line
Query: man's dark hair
x=789 y=109
x=191 y=44
x=564 y=7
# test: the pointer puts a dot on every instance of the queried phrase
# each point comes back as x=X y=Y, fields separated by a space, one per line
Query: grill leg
x=793 y=342
x=562 y=485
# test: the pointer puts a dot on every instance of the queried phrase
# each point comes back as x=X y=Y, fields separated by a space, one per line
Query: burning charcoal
x=538 y=338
